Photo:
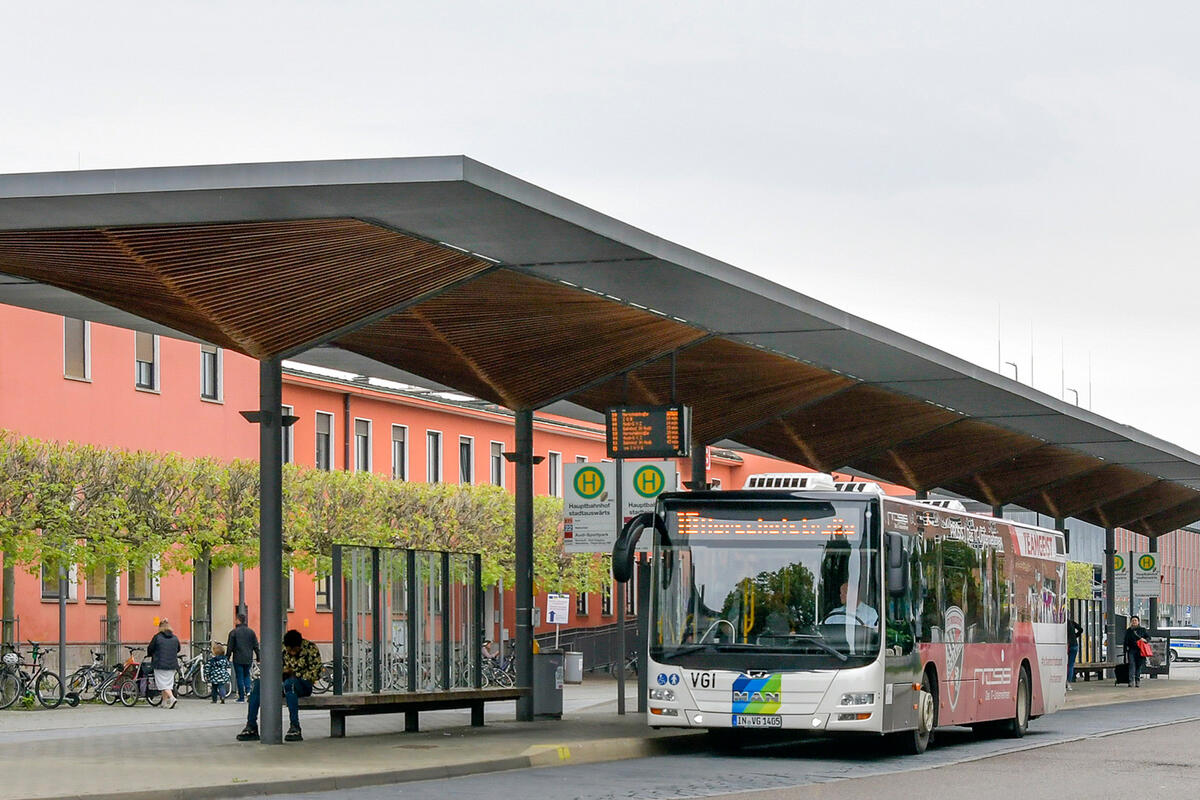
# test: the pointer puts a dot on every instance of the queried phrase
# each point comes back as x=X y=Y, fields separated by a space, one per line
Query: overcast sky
x=943 y=169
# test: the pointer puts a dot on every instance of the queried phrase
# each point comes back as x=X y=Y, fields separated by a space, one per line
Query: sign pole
x=1131 y=564
x=620 y=599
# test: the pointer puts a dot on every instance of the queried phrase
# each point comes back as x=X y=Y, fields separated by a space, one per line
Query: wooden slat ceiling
x=268 y=288
x=258 y=288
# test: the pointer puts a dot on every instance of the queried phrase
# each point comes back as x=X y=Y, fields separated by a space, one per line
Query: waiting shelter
x=456 y=272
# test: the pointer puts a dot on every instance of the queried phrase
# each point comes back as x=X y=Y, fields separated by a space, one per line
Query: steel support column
x=699 y=478
x=524 y=561
x=998 y=511
x=270 y=548
x=643 y=630
x=1154 y=598
x=64 y=589
x=1110 y=592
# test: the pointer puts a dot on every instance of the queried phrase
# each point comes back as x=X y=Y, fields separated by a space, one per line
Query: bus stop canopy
x=451 y=270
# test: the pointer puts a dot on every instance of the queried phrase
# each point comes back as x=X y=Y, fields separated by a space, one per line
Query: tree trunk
x=8 y=601
x=112 y=627
x=201 y=591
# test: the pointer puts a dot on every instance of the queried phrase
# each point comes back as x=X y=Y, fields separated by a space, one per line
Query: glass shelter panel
x=357 y=661
x=427 y=656
x=393 y=633
x=463 y=599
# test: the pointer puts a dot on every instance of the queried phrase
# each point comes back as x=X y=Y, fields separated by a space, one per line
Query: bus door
x=902 y=657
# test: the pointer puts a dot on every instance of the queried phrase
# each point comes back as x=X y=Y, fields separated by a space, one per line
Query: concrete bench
x=1096 y=668
x=411 y=704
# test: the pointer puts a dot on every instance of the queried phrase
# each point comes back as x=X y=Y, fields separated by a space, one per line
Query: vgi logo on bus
x=954 y=652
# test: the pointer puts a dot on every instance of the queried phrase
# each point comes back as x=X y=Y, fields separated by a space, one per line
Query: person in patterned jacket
x=301 y=668
x=218 y=672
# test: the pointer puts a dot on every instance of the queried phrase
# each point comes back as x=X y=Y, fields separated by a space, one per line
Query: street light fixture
x=1016 y=373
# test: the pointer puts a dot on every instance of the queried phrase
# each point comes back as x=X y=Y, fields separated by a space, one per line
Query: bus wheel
x=915 y=742
x=1016 y=727
x=1172 y=656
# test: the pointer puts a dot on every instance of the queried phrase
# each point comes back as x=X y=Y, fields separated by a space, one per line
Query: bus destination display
x=694 y=524
x=648 y=431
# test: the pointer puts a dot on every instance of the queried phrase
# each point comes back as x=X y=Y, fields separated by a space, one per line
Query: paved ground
x=189 y=751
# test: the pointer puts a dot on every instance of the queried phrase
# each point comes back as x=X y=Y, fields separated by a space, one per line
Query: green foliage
x=79 y=504
x=1079 y=580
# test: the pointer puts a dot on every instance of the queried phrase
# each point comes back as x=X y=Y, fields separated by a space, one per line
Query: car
x=1185 y=643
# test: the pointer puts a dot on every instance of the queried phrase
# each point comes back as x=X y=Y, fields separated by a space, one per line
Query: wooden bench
x=411 y=704
x=1095 y=668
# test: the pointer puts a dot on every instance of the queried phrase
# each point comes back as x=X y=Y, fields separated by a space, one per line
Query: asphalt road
x=1111 y=744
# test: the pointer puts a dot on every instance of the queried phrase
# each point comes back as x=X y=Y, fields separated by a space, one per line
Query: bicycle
x=21 y=679
x=85 y=682
x=130 y=682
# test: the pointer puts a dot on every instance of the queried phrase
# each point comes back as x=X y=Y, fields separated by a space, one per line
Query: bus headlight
x=666 y=695
x=858 y=699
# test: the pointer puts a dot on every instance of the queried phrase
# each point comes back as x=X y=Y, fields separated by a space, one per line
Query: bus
x=803 y=604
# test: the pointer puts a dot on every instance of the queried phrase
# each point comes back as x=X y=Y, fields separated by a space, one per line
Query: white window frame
x=220 y=368
x=87 y=352
x=72 y=585
x=503 y=477
x=582 y=604
x=332 y=428
x=441 y=457
x=155 y=585
x=370 y=444
x=289 y=436
x=318 y=584
x=469 y=440
x=100 y=598
x=407 y=442
x=554 y=476
x=291 y=606
x=581 y=459
x=156 y=386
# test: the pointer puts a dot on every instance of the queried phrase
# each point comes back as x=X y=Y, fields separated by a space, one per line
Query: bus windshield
x=757 y=584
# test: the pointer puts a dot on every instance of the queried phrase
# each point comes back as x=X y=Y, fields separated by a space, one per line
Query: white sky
x=923 y=165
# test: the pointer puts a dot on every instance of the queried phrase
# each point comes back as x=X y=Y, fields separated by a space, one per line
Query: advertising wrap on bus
x=827 y=611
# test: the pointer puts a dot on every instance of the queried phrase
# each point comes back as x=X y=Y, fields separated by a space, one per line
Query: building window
x=143 y=582
x=290 y=582
x=496 y=461
x=145 y=346
x=555 y=467
x=77 y=349
x=581 y=604
x=324 y=603
x=466 y=459
x=606 y=600
x=399 y=453
x=631 y=594
x=211 y=362
x=580 y=459
x=433 y=456
x=324 y=440
x=50 y=582
x=95 y=583
x=289 y=450
x=362 y=445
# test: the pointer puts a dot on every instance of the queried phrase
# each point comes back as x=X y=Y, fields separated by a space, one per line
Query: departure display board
x=696 y=524
x=648 y=431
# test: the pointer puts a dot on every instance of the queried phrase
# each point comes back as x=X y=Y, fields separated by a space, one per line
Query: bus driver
x=861 y=614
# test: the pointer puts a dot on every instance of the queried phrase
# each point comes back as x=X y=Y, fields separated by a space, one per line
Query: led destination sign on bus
x=691 y=523
x=647 y=431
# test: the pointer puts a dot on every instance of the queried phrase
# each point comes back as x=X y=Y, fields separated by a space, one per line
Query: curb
x=585 y=752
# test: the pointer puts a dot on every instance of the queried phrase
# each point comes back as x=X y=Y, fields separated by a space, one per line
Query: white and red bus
x=802 y=604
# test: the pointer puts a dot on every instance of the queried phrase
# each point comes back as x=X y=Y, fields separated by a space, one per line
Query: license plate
x=757 y=721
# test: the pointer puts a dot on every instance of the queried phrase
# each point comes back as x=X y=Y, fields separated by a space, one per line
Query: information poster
x=589 y=507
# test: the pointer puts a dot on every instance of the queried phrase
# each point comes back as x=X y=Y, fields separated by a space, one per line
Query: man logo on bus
x=1146 y=562
x=954 y=652
x=589 y=483
x=648 y=481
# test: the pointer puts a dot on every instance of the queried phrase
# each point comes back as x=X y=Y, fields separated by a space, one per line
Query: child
x=218 y=672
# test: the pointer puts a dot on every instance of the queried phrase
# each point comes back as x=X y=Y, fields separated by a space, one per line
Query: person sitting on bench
x=301 y=668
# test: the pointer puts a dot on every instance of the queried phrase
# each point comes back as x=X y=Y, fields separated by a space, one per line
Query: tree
x=19 y=474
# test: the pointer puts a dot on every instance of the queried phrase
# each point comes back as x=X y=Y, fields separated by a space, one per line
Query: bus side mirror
x=897 y=566
x=626 y=545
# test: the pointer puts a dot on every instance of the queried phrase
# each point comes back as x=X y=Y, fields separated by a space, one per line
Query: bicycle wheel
x=201 y=687
x=154 y=697
x=110 y=691
x=48 y=688
x=183 y=686
x=10 y=689
x=128 y=693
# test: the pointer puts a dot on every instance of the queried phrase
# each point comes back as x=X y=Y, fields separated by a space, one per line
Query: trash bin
x=572 y=667
x=548 y=684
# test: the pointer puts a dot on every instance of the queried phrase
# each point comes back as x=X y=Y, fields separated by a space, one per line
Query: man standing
x=301 y=668
x=243 y=652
